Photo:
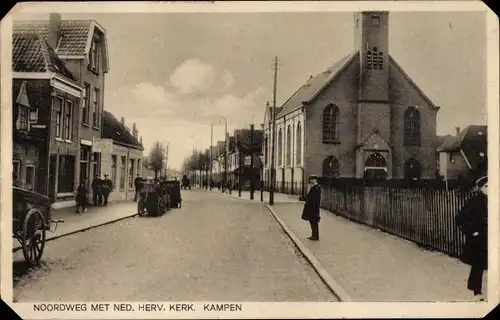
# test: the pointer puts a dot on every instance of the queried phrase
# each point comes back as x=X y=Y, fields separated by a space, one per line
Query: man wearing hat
x=312 y=206
x=107 y=188
x=473 y=222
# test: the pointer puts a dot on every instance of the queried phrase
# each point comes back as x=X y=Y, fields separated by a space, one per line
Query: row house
x=125 y=157
x=363 y=117
x=46 y=103
x=241 y=160
x=82 y=46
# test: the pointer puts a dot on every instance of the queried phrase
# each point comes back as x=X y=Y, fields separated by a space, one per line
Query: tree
x=156 y=157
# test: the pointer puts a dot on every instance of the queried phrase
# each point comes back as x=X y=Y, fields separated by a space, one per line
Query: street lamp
x=225 y=153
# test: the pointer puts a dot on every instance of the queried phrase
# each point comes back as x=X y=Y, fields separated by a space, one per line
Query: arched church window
x=369 y=59
x=380 y=61
x=288 y=146
x=375 y=167
x=298 y=148
x=412 y=127
x=413 y=169
x=330 y=124
x=280 y=148
x=330 y=167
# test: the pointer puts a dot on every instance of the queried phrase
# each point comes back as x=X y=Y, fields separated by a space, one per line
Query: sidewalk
x=278 y=197
x=372 y=266
x=94 y=217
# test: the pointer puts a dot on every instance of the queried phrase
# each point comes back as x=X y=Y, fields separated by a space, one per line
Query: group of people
x=101 y=188
x=472 y=220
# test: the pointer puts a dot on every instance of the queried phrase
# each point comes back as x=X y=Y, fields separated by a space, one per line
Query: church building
x=362 y=117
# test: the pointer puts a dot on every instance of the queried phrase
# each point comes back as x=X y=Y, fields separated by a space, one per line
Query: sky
x=175 y=74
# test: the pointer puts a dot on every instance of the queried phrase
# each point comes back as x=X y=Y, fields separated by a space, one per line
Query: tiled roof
x=315 y=85
x=114 y=129
x=269 y=115
x=31 y=53
x=74 y=34
x=473 y=141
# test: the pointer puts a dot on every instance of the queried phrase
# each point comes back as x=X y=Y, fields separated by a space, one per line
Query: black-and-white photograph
x=230 y=156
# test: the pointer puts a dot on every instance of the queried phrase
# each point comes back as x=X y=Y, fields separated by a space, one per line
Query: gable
x=375 y=142
x=397 y=78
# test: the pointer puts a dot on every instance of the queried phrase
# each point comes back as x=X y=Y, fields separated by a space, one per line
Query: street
x=215 y=248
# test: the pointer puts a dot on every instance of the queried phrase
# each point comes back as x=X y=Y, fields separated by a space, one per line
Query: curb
x=334 y=287
x=15 y=249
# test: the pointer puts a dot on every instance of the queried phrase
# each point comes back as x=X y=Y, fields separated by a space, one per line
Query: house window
x=16 y=170
x=452 y=158
x=413 y=169
x=298 y=148
x=280 y=148
x=68 y=117
x=122 y=173
x=330 y=167
x=23 y=118
x=289 y=146
x=66 y=177
x=84 y=163
x=86 y=107
x=330 y=124
x=131 y=174
x=95 y=108
x=30 y=177
x=113 y=169
x=33 y=115
x=412 y=127
x=94 y=55
x=59 y=116
x=96 y=157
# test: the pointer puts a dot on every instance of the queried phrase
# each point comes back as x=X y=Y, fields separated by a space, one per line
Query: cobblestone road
x=213 y=248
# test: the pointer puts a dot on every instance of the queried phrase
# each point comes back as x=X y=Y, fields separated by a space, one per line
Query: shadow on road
x=21 y=268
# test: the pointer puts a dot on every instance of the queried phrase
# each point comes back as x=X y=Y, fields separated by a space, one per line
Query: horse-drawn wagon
x=31 y=218
x=153 y=200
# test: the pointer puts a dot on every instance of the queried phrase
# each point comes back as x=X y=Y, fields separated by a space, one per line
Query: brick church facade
x=362 y=117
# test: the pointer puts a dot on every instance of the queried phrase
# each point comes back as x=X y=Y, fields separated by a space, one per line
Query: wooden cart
x=172 y=188
x=31 y=218
x=153 y=201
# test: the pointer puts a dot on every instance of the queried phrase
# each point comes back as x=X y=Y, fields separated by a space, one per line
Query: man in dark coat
x=137 y=184
x=106 y=189
x=312 y=206
x=473 y=222
x=96 y=190
x=81 y=197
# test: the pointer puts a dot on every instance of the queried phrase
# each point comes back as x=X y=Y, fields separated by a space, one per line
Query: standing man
x=473 y=222
x=137 y=184
x=107 y=188
x=81 y=197
x=312 y=206
x=96 y=186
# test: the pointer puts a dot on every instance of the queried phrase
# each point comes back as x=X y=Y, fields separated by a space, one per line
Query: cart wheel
x=168 y=203
x=33 y=236
x=141 y=209
x=160 y=207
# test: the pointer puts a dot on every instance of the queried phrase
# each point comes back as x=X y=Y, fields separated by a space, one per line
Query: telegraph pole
x=251 y=162
x=273 y=133
x=211 y=155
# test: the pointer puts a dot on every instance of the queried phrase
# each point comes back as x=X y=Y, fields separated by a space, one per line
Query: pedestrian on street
x=106 y=189
x=137 y=184
x=96 y=186
x=312 y=206
x=473 y=222
x=81 y=197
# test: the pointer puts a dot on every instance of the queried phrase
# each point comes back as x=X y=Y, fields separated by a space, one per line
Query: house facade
x=125 y=159
x=42 y=81
x=465 y=156
x=362 y=117
x=82 y=45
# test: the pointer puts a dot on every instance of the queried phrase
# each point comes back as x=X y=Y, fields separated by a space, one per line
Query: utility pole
x=273 y=132
x=240 y=169
x=251 y=162
x=166 y=160
x=211 y=155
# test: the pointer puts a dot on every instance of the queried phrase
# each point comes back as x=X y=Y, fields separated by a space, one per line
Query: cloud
x=181 y=113
x=197 y=77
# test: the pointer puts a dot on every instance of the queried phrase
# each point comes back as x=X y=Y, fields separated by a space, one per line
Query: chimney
x=54 y=30
x=134 y=130
x=457 y=130
x=141 y=140
x=123 y=120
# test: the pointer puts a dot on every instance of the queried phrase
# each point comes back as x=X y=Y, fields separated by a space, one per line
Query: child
x=81 y=197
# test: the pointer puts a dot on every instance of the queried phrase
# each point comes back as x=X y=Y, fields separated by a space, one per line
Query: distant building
x=126 y=157
x=241 y=157
x=465 y=156
x=362 y=117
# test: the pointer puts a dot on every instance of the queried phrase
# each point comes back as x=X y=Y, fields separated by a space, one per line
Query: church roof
x=315 y=85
